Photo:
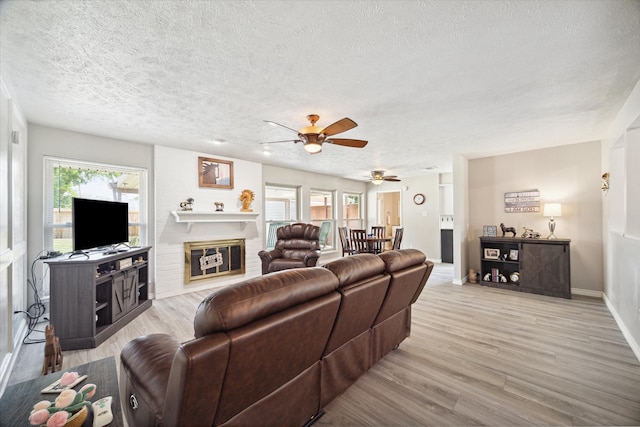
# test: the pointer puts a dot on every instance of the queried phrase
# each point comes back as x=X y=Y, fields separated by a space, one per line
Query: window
x=352 y=210
x=281 y=207
x=323 y=215
x=66 y=179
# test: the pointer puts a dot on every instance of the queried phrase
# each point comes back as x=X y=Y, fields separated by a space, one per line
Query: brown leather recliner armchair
x=298 y=245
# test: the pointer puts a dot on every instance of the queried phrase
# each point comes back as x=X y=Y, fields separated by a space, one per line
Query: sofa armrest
x=267 y=257
x=195 y=383
x=146 y=364
x=311 y=259
x=270 y=255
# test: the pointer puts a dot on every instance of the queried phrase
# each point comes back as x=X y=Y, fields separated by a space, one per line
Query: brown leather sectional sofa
x=275 y=349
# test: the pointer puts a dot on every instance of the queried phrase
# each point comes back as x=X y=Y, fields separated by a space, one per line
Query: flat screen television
x=98 y=223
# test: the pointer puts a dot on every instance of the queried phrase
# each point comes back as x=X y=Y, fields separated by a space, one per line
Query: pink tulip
x=59 y=419
x=65 y=398
x=68 y=378
x=39 y=417
x=91 y=393
x=43 y=404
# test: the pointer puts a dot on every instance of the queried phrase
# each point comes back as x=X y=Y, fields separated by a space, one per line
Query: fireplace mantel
x=191 y=217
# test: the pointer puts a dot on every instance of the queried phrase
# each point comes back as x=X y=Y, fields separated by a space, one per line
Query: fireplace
x=213 y=258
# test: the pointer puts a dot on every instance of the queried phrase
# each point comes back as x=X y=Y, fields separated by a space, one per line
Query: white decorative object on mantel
x=190 y=217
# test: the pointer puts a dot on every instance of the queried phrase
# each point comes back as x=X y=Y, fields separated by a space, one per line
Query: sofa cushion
x=286 y=264
x=240 y=304
x=409 y=273
x=401 y=259
x=357 y=267
x=146 y=362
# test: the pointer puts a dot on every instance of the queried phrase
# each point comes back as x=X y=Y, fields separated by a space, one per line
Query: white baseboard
x=625 y=332
x=587 y=293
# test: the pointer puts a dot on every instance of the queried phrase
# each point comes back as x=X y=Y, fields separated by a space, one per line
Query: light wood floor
x=476 y=356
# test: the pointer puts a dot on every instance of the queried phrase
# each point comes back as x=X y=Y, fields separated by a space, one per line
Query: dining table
x=372 y=240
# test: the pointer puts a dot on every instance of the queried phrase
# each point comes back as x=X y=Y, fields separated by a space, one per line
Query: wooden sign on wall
x=522 y=201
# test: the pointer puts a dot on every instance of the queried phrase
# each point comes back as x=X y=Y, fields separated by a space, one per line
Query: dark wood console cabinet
x=540 y=266
x=91 y=299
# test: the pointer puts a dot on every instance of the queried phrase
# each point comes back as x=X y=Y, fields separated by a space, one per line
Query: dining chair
x=345 y=240
x=398 y=238
x=378 y=232
x=359 y=241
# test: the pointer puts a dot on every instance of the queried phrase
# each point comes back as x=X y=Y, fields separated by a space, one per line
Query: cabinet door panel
x=545 y=267
x=118 y=300
x=130 y=290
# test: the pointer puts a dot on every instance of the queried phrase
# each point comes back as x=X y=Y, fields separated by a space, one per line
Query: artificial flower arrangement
x=68 y=402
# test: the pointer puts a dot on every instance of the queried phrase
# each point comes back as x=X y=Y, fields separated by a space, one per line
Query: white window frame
x=293 y=212
x=48 y=226
x=346 y=222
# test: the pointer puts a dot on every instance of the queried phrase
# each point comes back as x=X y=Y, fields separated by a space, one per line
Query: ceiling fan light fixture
x=377 y=181
x=313 y=147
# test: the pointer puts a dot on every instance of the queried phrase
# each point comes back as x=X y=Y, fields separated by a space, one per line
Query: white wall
x=421 y=223
x=13 y=231
x=569 y=174
x=176 y=180
x=622 y=246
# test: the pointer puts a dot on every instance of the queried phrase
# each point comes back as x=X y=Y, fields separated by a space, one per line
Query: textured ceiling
x=424 y=80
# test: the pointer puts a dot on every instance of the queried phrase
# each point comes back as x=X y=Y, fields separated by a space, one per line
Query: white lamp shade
x=552 y=209
x=313 y=147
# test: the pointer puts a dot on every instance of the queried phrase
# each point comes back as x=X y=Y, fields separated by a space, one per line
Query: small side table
x=18 y=399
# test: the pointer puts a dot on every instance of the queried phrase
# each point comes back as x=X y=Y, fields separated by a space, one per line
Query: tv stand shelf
x=92 y=298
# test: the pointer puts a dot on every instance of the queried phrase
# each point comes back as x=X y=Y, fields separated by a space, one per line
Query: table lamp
x=552 y=210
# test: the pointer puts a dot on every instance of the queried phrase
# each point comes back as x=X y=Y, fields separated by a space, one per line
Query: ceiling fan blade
x=277 y=142
x=357 y=143
x=282 y=126
x=390 y=176
x=342 y=125
x=386 y=178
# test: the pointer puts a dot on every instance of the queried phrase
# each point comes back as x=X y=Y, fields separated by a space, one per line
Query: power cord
x=36 y=310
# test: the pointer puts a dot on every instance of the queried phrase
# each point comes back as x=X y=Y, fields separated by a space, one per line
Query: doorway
x=388 y=212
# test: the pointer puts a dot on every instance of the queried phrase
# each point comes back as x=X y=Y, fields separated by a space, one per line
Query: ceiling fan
x=377 y=177
x=312 y=137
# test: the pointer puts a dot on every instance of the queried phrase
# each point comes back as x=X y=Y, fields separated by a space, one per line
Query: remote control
x=102 y=412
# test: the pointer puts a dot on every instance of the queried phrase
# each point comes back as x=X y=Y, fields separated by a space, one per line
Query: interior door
x=388 y=212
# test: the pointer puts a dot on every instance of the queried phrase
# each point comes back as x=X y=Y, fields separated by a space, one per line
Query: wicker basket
x=77 y=419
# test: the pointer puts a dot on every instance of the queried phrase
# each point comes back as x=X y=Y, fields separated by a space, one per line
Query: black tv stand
x=91 y=299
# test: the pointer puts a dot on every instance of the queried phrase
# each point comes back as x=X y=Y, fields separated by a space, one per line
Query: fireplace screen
x=213 y=258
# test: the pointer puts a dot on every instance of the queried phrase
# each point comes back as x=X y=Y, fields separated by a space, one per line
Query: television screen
x=98 y=223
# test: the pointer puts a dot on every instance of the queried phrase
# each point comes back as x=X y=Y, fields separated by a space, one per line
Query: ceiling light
x=377 y=181
x=313 y=147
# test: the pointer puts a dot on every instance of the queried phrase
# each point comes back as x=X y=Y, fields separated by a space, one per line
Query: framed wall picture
x=215 y=173
x=491 y=253
x=490 y=230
